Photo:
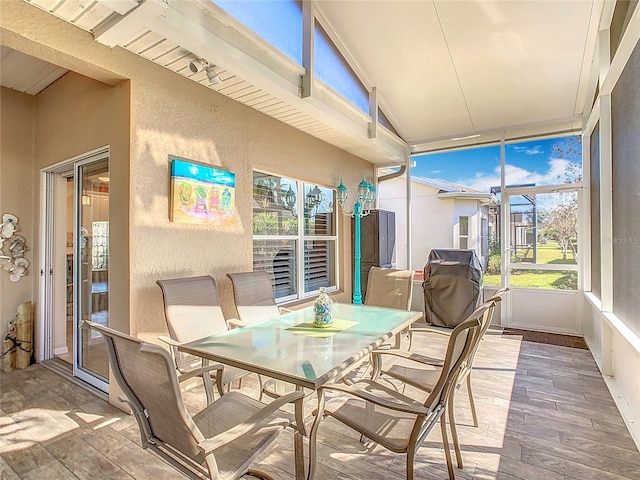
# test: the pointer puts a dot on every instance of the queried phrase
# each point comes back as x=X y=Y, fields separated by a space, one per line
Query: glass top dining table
x=288 y=348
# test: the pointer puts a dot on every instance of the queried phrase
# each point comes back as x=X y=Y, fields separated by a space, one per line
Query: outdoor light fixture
x=365 y=198
x=196 y=66
x=213 y=77
x=199 y=65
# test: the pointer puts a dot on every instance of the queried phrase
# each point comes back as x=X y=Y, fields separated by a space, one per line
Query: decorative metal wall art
x=12 y=256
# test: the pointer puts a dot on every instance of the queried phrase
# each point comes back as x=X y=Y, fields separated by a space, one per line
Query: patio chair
x=221 y=441
x=390 y=288
x=253 y=296
x=192 y=311
x=394 y=420
x=425 y=370
x=418 y=328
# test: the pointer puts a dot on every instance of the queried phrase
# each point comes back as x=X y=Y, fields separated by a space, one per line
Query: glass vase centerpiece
x=322 y=309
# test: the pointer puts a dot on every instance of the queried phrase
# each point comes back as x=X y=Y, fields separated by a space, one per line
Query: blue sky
x=528 y=162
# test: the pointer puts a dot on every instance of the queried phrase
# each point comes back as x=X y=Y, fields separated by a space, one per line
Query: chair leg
x=471 y=402
x=313 y=435
x=208 y=387
x=454 y=430
x=445 y=444
x=261 y=387
x=376 y=366
x=411 y=460
x=219 y=383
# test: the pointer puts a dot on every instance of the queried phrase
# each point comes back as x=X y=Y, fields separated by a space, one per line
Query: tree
x=569 y=149
x=560 y=222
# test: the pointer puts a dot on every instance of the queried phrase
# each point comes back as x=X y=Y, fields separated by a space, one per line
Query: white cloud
x=517 y=176
x=535 y=150
x=435 y=171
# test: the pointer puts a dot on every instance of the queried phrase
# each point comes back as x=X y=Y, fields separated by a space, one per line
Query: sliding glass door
x=91 y=269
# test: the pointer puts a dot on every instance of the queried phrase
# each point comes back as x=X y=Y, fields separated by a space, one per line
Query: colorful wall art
x=202 y=194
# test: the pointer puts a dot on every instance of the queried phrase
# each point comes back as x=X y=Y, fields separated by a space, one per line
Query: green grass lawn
x=549 y=254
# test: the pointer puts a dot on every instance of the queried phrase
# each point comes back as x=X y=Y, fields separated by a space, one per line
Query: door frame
x=47 y=255
x=548 y=296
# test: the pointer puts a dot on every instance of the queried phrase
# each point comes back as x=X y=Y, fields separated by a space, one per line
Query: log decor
x=17 y=346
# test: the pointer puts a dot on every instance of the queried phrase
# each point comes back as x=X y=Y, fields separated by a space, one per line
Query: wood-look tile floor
x=544 y=413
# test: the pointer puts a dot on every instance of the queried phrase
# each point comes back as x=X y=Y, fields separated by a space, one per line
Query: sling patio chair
x=418 y=327
x=192 y=311
x=388 y=288
x=398 y=422
x=424 y=371
x=445 y=332
x=253 y=296
x=219 y=442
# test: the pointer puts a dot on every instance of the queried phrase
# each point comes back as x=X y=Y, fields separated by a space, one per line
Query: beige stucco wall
x=202 y=125
x=168 y=115
x=17 y=116
x=76 y=115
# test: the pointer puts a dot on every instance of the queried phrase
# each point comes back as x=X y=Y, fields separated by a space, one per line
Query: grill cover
x=453 y=279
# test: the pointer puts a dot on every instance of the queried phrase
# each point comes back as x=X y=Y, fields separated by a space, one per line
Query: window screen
x=625 y=126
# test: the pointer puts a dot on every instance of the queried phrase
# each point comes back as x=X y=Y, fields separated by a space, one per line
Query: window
x=293 y=240
x=279 y=22
x=463 y=232
x=332 y=69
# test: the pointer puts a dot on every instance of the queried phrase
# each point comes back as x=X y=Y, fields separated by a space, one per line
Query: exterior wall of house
x=146 y=113
x=471 y=209
x=17 y=116
x=431 y=225
x=434 y=221
x=76 y=115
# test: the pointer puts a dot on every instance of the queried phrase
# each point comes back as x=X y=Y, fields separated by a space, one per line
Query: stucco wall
x=76 y=115
x=17 y=116
x=201 y=125
x=169 y=115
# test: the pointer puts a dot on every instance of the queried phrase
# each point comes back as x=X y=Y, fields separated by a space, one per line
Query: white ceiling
x=452 y=68
x=443 y=69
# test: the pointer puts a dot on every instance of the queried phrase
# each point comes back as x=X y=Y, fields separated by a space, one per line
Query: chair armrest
x=169 y=341
x=408 y=355
x=200 y=371
x=359 y=393
x=235 y=323
x=431 y=329
x=254 y=422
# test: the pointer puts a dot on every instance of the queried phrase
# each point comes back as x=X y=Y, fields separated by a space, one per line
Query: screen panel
x=625 y=126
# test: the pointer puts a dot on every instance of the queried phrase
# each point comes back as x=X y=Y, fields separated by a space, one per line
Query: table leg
x=298 y=448
x=313 y=435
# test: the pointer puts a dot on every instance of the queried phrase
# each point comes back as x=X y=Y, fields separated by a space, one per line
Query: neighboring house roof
x=442 y=185
x=452 y=190
x=484 y=198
